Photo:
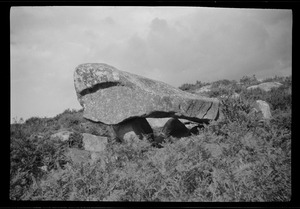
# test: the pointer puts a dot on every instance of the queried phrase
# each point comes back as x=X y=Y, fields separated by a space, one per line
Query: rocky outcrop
x=94 y=143
x=78 y=156
x=111 y=96
x=267 y=86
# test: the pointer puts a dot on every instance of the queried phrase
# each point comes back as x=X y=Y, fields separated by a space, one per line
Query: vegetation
x=239 y=158
x=189 y=87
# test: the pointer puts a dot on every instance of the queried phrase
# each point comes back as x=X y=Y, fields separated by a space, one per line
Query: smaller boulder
x=262 y=107
x=94 y=143
x=135 y=127
x=175 y=128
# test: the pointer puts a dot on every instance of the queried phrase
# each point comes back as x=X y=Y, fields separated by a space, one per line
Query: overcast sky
x=175 y=45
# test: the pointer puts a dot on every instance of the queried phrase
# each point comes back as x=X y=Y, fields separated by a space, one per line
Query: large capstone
x=111 y=96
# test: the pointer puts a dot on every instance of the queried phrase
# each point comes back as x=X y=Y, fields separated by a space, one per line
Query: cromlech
x=118 y=98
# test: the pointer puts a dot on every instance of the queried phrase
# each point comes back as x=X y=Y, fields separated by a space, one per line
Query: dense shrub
x=221 y=83
x=70 y=119
x=217 y=92
x=186 y=87
x=190 y=87
x=27 y=157
x=249 y=81
x=279 y=79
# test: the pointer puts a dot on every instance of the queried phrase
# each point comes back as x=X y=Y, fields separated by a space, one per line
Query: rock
x=95 y=156
x=267 y=86
x=94 y=143
x=175 y=128
x=61 y=135
x=135 y=127
x=111 y=96
x=262 y=107
x=78 y=156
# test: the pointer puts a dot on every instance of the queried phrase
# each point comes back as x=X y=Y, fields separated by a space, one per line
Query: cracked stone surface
x=111 y=96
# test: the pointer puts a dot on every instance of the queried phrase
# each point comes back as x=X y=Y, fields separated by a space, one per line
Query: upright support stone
x=136 y=127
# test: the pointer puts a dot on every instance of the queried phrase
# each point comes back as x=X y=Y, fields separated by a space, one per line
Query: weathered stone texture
x=264 y=108
x=111 y=96
x=136 y=127
x=94 y=143
x=175 y=128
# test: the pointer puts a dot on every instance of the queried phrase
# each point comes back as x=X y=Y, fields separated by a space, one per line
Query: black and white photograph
x=150 y=104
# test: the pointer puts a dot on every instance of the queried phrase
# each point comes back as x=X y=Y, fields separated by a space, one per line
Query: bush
x=249 y=81
x=221 y=83
x=190 y=87
x=186 y=87
x=70 y=119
